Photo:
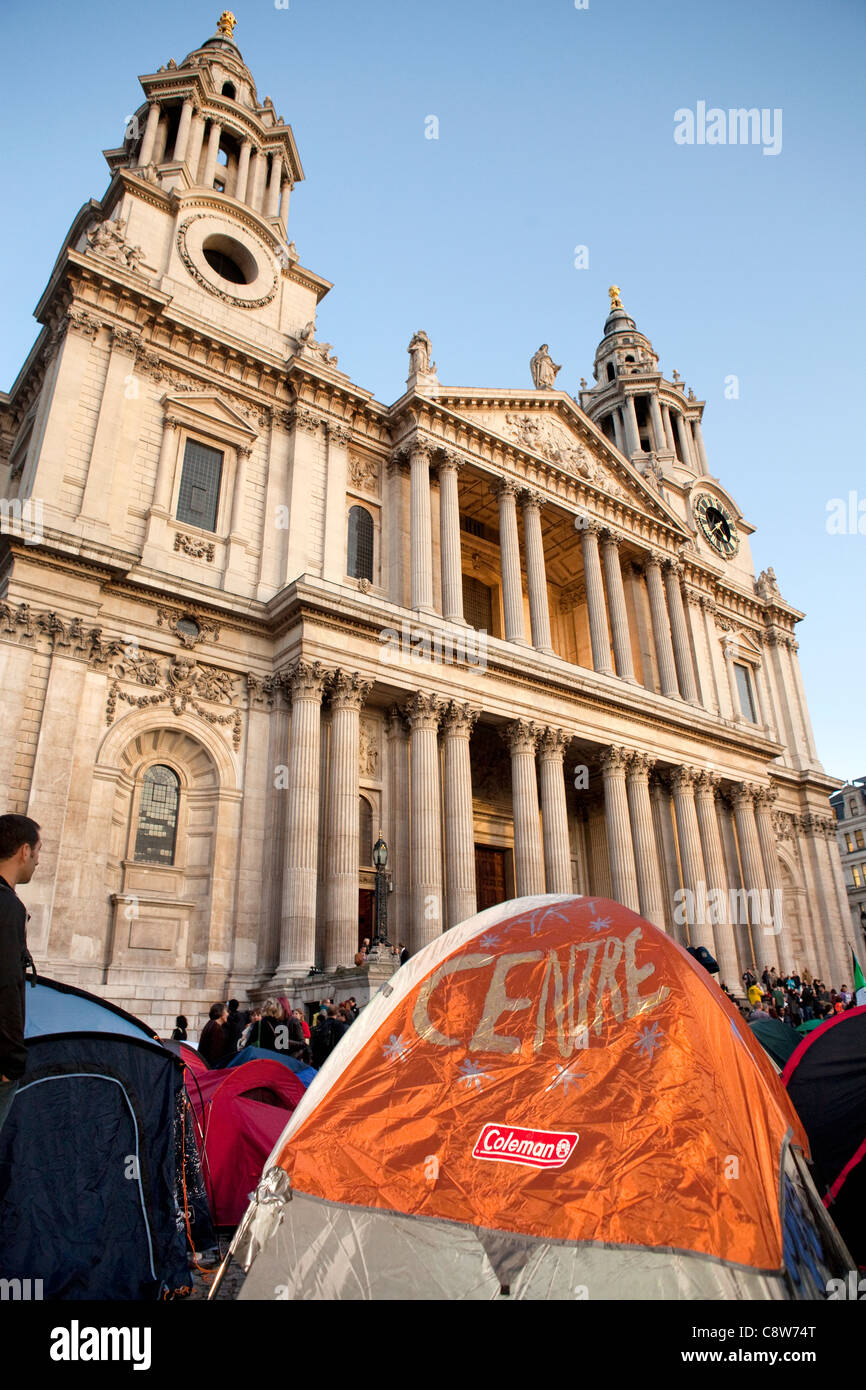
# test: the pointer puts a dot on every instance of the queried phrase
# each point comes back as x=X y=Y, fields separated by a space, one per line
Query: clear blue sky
x=555 y=130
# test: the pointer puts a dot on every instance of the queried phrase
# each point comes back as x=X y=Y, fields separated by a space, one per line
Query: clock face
x=717 y=524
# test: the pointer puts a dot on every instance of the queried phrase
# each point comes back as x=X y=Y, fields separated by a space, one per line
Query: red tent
x=193 y=1058
x=241 y=1113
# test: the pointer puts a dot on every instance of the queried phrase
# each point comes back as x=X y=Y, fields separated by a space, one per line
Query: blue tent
x=87 y=1155
x=249 y=1054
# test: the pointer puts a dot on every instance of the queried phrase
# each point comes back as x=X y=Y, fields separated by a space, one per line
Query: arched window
x=157 y=816
x=229 y=90
x=611 y=373
x=365 y=833
x=360 y=565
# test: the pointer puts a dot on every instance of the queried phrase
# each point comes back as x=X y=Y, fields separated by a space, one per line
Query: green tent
x=777 y=1038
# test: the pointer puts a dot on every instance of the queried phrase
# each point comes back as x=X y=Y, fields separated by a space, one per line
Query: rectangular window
x=198 y=498
x=744 y=690
x=856 y=872
x=858 y=839
x=850 y=843
x=477 y=604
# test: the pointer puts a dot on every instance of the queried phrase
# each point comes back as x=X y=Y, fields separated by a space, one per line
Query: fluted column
x=149 y=139
x=427 y=917
x=421 y=530
x=691 y=858
x=457 y=727
x=668 y=427
x=398 y=819
x=699 y=442
x=243 y=170
x=196 y=137
x=274 y=185
x=449 y=537
x=348 y=692
x=618 y=611
x=554 y=812
x=657 y=426
x=298 y=917
x=618 y=435
x=632 y=433
x=793 y=646
x=804 y=826
x=661 y=626
x=256 y=183
x=765 y=800
x=623 y=874
x=536 y=573
x=509 y=549
x=521 y=738
x=595 y=600
x=754 y=878
x=210 y=163
x=181 y=143
x=680 y=633
x=649 y=885
x=684 y=436
x=725 y=949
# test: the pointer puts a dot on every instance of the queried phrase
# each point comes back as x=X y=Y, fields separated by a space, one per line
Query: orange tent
x=552 y=1096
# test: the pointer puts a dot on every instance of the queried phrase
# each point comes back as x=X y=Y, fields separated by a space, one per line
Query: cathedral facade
x=252 y=619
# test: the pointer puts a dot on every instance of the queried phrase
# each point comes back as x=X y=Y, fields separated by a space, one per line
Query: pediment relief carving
x=206 y=410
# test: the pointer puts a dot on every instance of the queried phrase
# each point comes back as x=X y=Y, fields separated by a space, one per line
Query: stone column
x=536 y=573
x=426 y=922
x=449 y=538
x=398 y=821
x=691 y=858
x=764 y=703
x=618 y=613
x=421 y=530
x=285 y=194
x=793 y=646
x=619 y=841
x=457 y=727
x=274 y=186
x=554 y=812
x=729 y=650
x=149 y=139
x=256 y=182
x=680 y=633
x=658 y=427
x=708 y=607
x=668 y=428
x=243 y=170
x=348 y=692
x=196 y=136
x=213 y=144
x=717 y=883
x=837 y=926
x=754 y=878
x=521 y=738
x=595 y=600
x=298 y=919
x=164 y=471
x=663 y=824
x=699 y=645
x=181 y=143
x=599 y=860
x=618 y=433
x=765 y=800
x=661 y=627
x=632 y=433
x=649 y=886
x=824 y=964
x=685 y=440
x=698 y=437
x=509 y=548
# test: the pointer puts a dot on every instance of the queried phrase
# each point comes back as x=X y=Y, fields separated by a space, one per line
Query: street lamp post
x=380 y=859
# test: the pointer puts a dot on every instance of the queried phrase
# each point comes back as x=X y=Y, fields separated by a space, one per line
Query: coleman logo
x=533 y=1148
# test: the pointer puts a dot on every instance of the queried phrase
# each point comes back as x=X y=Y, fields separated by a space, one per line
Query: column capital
x=348 y=689
x=639 y=766
x=766 y=797
x=654 y=557
x=683 y=779
x=450 y=458
x=531 y=498
x=707 y=783
x=672 y=565
x=614 y=760
x=305 y=680
x=420 y=449
x=337 y=432
x=610 y=537
x=551 y=744
x=521 y=736
x=743 y=793
x=708 y=603
x=172 y=423
x=395 y=721
x=423 y=711
x=505 y=487
x=589 y=526
x=459 y=719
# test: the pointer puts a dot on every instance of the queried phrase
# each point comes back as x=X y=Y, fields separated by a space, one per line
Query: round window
x=188 y=626
x=230 y=260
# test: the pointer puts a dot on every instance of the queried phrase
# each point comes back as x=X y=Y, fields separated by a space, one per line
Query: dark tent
x=826 y=1080
x=87 y=1155
x=776 y=1038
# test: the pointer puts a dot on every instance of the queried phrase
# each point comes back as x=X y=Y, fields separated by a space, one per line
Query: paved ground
x=231 y=1283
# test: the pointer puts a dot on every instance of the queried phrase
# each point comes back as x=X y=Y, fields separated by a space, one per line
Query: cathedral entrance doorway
x=366 y=916
x=490 y=887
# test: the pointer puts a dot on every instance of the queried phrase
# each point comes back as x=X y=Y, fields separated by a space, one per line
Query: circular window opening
x=189 y=627
x=230 y=260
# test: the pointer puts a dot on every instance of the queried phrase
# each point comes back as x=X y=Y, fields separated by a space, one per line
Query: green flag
x=859 y=982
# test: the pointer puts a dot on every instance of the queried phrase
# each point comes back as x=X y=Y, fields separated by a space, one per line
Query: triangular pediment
x=207 y=409
x=551 y=427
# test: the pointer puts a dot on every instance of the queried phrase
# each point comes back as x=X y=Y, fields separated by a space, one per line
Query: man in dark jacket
x=19 y=855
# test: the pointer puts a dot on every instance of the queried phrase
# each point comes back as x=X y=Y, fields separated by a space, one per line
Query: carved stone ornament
x=198 y=549
x=310 y=348
x=552 y=441
x=368 y=750
x=303 y=418
x=81 y=322
x=363 y=473
x=206 y=284
x=108 y=240
x=338 y=433
x=182 y=621
x=766 y=584
x=178 y=681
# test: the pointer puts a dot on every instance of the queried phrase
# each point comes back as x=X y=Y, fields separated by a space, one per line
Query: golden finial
x=615 y=301
x=226 y=24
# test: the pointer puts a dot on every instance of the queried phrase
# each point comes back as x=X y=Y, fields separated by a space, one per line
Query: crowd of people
x=791 y=997
x=274 y=1026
